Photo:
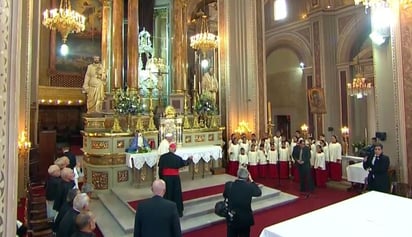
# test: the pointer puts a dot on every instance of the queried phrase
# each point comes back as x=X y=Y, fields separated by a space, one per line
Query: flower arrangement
x=205 y=105
x=357 y=146
x=125 y=103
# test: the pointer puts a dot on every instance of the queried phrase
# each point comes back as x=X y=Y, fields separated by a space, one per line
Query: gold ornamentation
x=210 y=137
x=188 y=139
x=100 y=180
x=116 y=125
x=120 y=144
x=199 y=138
x=99 y=145
x=105 y=160
x=122 y=176
x=170 y=112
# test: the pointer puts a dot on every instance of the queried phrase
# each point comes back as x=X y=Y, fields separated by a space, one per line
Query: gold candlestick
x=139 y=123
x=186 y=124
x=152 y=126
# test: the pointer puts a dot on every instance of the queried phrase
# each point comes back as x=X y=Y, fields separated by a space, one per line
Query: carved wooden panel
x=122 y=176
x=100 y=180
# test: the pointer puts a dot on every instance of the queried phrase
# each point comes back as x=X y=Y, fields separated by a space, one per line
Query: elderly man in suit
x=157 y=216
x=301 y=155
x=378 y=165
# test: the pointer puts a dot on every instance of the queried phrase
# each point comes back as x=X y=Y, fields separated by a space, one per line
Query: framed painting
x=316 y=97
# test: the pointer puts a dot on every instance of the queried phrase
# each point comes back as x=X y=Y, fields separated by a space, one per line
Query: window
x=280 y=10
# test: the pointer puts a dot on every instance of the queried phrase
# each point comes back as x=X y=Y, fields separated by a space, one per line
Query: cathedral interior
x=218 y=67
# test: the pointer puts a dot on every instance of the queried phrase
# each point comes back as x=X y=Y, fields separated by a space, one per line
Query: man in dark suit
x=71 y=156
x=301 y=155
x=378 y=165
x=67 y=226
x=157 y=216
x=169 y=165
x=239 y=194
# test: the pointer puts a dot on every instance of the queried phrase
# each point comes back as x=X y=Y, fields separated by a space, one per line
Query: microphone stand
x=278 y=165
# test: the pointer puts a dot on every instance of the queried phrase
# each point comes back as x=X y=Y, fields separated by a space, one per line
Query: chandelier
x=204 y=40
x=359 y=87
x=64 y=20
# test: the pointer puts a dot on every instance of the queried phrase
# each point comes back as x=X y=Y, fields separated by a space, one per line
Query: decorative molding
x=305 y=32
x=343 y=22
x=122 y=176
x=100 y=180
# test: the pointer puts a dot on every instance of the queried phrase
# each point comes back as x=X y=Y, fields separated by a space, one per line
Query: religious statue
x=210 y=85
x=145 y=47
x=93 y=86
x=138 y=144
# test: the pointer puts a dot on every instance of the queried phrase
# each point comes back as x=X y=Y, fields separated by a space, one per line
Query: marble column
x=107 y=39
x=132 y=44
x=179 y=46
x=117 y=44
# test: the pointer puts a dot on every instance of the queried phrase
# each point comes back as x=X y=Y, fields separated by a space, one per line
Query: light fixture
x=304 y=128
x=204 y=41
x=64 y=20
x=204 y=63
x=243 y=127
x=381 y=3
x=359 y=87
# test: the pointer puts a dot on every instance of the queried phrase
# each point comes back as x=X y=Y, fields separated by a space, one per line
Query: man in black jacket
x=239 y=194
x=157 y=216
x=301 y=155
x=67 y=226
x=378 y=165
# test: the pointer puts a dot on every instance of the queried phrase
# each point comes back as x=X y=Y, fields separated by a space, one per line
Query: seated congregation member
x=378 y=165
x=283 y=160
x=157 y=216
x=262 y=161
x=272 y=160
x=66 y=184
x=335 y=157
x=65 y=207
x=252 y=161
x=321 y=174
x=243 y=159
x=85 y=223
x=52 y=187
x=239 y=195
x=234 y=149
x=68 y=225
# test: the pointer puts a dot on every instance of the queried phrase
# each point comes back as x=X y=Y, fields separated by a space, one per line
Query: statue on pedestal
x=210 y=85
x=93 y=86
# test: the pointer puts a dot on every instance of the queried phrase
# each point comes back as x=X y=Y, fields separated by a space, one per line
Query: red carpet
x=321 y=197
x=192 y=194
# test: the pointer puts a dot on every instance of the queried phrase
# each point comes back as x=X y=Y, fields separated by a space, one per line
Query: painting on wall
x=84 y=45
x=316 y=98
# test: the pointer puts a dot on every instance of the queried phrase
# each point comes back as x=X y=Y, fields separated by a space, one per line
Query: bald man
x=157 y=216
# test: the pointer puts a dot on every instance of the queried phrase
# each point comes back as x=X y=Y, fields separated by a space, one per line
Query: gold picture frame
x=316 y=97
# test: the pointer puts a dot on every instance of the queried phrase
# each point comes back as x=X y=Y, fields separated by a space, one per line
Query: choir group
x=271 y=157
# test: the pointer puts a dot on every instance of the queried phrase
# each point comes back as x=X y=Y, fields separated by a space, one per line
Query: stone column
x=179 y=46
x=107 y=40
x=133 y=44
x=117 y=44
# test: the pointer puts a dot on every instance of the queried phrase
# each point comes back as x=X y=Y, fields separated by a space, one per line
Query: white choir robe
x=245 y=146
x=284 y=162
x=312 y=154
x=233 y=165
x=272 y=159
x=262 y=164
x=321 y=174
x=335 y=156
x=243 y=160
x=267 y=145
x=253 y=160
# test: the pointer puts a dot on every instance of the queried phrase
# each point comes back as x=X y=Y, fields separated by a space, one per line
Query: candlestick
x=269 y=112
x=194 y=82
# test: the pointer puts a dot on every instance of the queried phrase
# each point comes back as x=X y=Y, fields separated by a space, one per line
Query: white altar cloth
x=371 y=214
x=205 y=153
x=356 y=173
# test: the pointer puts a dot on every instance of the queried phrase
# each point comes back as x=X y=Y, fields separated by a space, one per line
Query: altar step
x=116 y=218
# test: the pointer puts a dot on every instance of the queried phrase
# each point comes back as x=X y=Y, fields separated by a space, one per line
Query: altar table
x=371 y=214
x=356 y=173
x=205 y=153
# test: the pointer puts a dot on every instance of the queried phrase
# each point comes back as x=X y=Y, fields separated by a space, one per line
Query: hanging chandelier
x=204 y=41
x=64 y=20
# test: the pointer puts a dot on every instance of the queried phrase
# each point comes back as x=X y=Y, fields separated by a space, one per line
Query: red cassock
x=321 y=177
x=284 y=169
x=272 y=171
x=335 y=171
x=232 y=167
x=253 y=170
x=263 y=170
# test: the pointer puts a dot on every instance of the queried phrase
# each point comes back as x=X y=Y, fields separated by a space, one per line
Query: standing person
x=169 y=165
x=272 y=160
x=301 y=155
x=85 y=223
x=234 y=149
x=378 y=165
x=163 y=149
x=335 y=157
x=239 y=195
x=283 y=156
x=253 y=161
x=262 y=161
x=66 y=184
x=157 y=216
x=72 y=157
x=67 y=226
x=52 y=187
x=321 y=174
x=93 y=86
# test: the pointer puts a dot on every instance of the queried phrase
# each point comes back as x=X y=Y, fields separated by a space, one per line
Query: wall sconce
x=23 y=144
x=23 y=154
x=304 y=128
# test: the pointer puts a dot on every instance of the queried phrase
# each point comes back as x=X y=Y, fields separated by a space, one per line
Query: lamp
x=359 y=87
x=304 y=128
x=64 y=20
x=243 y=127
x=204 y=40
